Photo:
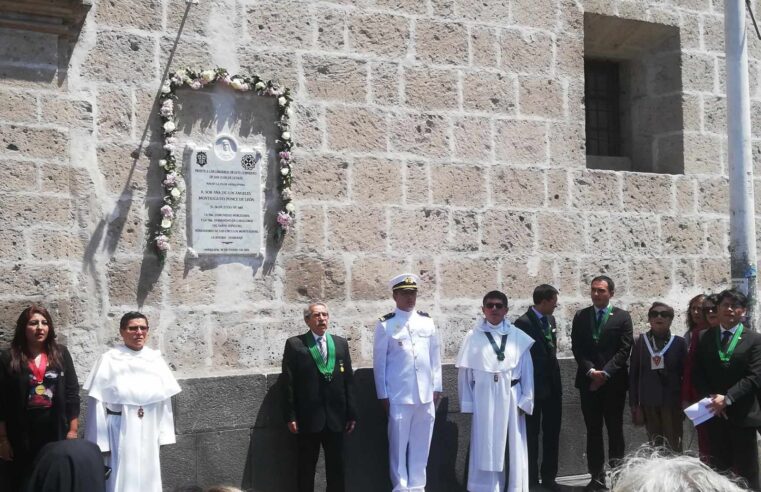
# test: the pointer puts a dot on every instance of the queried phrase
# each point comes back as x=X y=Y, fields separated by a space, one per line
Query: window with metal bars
x=602 y=92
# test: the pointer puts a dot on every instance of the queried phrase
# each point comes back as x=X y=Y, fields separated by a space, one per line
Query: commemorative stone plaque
x=226 y=198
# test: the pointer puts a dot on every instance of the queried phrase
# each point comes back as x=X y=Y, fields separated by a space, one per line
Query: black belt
x=514 y=382
x=111 y=412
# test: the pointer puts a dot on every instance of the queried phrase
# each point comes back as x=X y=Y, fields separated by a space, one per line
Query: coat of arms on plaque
x=248 y=161
x=201 y=159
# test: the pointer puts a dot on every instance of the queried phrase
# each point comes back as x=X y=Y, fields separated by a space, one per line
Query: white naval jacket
x=406 y=358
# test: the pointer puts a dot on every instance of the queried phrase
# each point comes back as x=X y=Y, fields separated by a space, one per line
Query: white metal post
x=742 y=227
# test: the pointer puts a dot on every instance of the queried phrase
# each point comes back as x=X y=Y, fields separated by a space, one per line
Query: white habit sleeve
x=526 y=396
x=96 y=428
x=380 y=349
x=465 y=383
x=166 y=423
x=435 y=358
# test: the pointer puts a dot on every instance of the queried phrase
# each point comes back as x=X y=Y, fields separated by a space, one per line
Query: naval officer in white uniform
x=407 y=368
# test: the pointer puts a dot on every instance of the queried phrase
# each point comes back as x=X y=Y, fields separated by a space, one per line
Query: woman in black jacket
x=39 y=393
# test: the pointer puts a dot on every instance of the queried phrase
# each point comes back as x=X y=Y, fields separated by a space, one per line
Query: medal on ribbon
x=500 y=351
x=725 y=356
x=324 y=366
x=657 y=358
x=38 y=373
x=597 y=332
x=140 y=412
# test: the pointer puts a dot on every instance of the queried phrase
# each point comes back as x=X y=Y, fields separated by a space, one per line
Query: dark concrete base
x=230 y=431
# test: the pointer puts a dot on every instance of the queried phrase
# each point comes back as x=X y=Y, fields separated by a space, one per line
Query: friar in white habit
x=496 y=385
x=129 y=411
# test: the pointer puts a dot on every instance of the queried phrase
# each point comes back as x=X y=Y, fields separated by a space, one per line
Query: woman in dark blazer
x=655 y=379
x=39 y=393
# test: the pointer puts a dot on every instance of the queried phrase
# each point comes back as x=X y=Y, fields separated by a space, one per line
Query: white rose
x=290 y=208
x=169 y=126
x=260 y=86
x=285 y=171
x=166 y=88
x=166 y=224
x=236 y=84
x=208 y=75
x=175 y=192
x=289 y=111
x=286 y=136
x=162 y=162
x=282 y=101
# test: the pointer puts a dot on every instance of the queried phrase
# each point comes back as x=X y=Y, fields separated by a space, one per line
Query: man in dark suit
x=539 y=323
x=728 y=370
x=319 y=401
x=601 y=339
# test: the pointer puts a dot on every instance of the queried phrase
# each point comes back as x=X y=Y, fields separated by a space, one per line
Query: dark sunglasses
x=710 y=309
x=493 y=305
x=660 y=314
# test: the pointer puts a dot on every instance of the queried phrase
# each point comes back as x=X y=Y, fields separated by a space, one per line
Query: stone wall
x=444 y=137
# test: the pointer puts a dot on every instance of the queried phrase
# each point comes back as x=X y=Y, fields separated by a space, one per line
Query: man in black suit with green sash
x=728 y=370
x=319 y=403
x=601 y=339
x=539 y=324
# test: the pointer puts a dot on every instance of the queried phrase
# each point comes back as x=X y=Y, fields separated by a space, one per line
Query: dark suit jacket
x=662 y=387
x=543 y=355
x=610 y=354
x=740 y=380
x=310 y=400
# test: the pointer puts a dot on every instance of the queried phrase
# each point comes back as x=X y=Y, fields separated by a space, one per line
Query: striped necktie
x=321 y=346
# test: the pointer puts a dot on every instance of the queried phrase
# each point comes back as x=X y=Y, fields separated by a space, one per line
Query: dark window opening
x=602 y=92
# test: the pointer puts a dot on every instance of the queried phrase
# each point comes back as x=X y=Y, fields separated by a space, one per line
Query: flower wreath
x=173 y=183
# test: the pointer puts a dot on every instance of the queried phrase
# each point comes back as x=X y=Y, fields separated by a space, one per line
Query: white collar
x=316 y=336
x=731 y=330
x=538 y=314
x=402 y=313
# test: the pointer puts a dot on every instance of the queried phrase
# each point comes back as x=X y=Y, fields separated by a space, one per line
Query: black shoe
x=595 y=485
x=551 y=485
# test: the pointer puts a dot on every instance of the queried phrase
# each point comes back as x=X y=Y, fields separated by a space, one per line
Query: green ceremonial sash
x=500 y=351
x=538 y=323
x=598 y=326
x=725 y=356
x=325 y=368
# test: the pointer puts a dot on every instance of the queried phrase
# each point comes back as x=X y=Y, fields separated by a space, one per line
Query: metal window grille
x=601 y=94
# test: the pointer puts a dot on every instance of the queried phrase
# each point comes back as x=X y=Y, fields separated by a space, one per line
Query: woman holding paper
x=655 y=379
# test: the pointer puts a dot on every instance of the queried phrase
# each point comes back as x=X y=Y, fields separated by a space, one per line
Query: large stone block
x=682 y=235
x=359 y=229
x=307 y=125
x=636 y=235
x=542 y=14
x=419 y=230
x=384 y=83
x=121 y=57
x=125 y=167
x=560 y=232
x=314 y=277
x=567 y=144
x=430 y=88
x=186 y=337
x=464 y=234
x=18 y=106
x=280 y=23
x=192 y=283
x=335 y=78
x=12 y=244
x=356 y=129
x=596 y=190
x=376 y=181
x=422 y=134
x=517 y=187
x=686 y=194
x=647 y=192
x=21 y=141
x=526 y=52
x=713 y=33
x=568 y=274
x=114 y=109
x=458 y=185
x=52 y=245
x=240 y=341
x=331 y=25
x=18 y=176
x=520 y=276
x=144 y=15
x=702 y=154
x=223 y=456
x=715 y=114
x=22 y=47
x=310 y=229
x=717 y=236
x=379 y=34
x=521 y=142
x=494 y=10
x=417 y=187
x=273 y=65
x=370 y=274
x=199 y=19
x=468 y=278
x=558 y=195
x=441 y=43
x=24 y=280
x=492 y=92
x=508 y=232
x=569 y=56
x=713 y=195
x=127 y=226
x=321 y=177
x=414 y=7
x=592 y=266
x=650 y=277
x=26 y=212
x=541 y=97
x=472 y=138
x=134 y=281
x=699 y=72
x=484 y=48
x=713 y=274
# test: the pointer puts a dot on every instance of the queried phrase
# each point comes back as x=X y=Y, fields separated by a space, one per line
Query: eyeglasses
x=494 y=305
x=660 y=314
x=134 y=329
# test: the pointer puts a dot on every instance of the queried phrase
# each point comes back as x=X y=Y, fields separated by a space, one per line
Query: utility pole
x=742 y=226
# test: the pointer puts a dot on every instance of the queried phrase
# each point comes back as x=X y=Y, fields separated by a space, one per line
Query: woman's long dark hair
x=20 y=346
x=690 y=323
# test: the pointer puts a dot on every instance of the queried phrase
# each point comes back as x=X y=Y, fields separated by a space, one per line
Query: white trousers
x=410 y=428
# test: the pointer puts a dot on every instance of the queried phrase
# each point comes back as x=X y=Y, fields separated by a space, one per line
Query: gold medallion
x=39 y=389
